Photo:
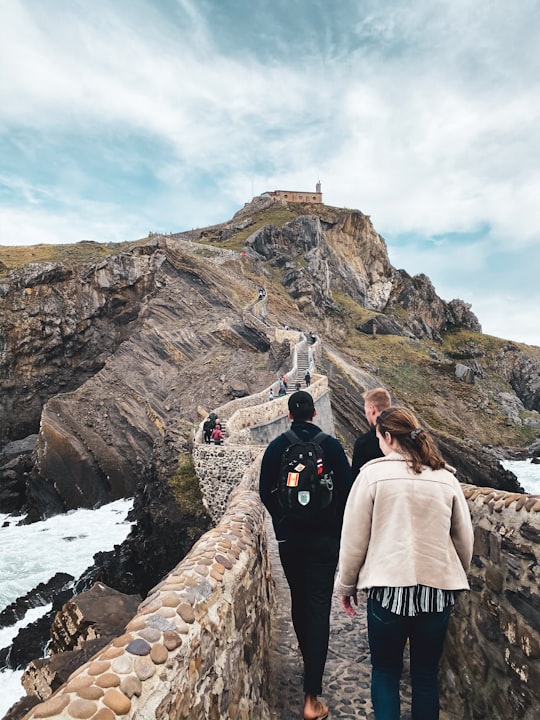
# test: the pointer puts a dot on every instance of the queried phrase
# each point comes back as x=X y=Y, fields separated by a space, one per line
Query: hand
x=346 y=604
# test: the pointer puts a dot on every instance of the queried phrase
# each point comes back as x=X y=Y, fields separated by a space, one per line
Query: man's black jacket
x=366 y=448
x=334 y=459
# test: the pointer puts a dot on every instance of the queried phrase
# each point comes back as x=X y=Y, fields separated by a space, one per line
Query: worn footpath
x=347 y=676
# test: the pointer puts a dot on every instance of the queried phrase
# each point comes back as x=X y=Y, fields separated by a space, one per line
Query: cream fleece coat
x=402 y=529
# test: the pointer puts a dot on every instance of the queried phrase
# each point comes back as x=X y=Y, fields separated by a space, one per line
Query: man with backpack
x=304 y=482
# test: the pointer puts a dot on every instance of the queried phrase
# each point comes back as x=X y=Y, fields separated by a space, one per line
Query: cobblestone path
x=348 y=671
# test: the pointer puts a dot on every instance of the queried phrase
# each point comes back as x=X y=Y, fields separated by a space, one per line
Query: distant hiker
x=217 y=435
x=271 y=394
x=366 y=446
x=282 y=388
x=285 y=381
x=208 y=426
x=297 y=385
x=307 y=378
x=308 y=547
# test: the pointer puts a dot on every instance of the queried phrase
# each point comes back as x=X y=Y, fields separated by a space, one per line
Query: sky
x=120 y=117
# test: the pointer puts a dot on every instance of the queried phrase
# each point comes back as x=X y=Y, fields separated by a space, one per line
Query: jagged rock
x=476 y=466
x=237 y=389
x=23 y=706
x=145 y=320
x=383 y=325
x=29 y=643
x=465 y=373
x=44 y=676
x=60 y=325
x=534 y=449
x=19 y=447
x=99 y=612
x=463 y=316
x=31 y=640
x=40 y=595
x=525 y=381
x=512 y=406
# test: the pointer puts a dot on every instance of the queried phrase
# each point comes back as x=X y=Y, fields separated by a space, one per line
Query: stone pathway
x=346 y=682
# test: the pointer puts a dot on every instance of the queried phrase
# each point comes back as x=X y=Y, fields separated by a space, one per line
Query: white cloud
x=424 y=115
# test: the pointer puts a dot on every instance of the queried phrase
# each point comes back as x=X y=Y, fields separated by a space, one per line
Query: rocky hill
x=111 y=361
x=112 y=355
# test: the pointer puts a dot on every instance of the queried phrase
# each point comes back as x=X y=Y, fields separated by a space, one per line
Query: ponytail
x=417 y=444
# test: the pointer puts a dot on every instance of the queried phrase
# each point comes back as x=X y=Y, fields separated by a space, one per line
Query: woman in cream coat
x=407 y=539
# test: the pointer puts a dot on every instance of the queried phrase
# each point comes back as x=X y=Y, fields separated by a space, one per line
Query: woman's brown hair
x=417 y=444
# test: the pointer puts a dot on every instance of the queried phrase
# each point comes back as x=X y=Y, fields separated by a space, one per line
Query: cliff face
x=59 y=326
x=111 y=362
x=177 y=347
x=343 y=252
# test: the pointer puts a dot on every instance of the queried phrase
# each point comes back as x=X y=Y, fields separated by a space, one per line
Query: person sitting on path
x=308 y=549
x=407 y=540
x=366 y=447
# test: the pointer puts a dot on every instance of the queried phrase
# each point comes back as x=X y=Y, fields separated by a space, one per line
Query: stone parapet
x=491 y=666
x=269 y=411
x=220 y=469
x=198 y=646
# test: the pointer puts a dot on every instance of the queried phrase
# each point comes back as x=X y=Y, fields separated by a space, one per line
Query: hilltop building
x=297 y=195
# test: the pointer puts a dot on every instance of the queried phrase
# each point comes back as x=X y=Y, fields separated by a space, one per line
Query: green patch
x=186 y=489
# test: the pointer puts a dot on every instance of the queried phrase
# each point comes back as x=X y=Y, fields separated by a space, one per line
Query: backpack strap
x=292 y=437
x=319 y=437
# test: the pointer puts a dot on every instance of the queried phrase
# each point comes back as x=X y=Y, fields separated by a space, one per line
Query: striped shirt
x=412 y=600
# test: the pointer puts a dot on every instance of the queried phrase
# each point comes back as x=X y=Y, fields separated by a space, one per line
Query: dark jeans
x=309 y=565
x=388 y=634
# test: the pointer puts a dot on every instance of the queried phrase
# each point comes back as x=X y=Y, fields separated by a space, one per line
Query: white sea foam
x=12 y=690
x=527 y=473
x=30 y=554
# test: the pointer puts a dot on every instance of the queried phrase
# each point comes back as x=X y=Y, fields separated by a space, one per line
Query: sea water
x=31 y=554
x=527 y=473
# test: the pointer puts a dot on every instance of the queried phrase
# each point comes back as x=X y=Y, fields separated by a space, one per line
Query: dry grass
x=75 y=254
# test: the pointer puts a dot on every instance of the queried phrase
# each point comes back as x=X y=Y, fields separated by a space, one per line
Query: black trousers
x=310 y=565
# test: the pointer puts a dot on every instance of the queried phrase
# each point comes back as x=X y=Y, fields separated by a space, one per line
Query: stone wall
x=491 y=668
x=198 y=646
x=271 y=411
x=220 y=469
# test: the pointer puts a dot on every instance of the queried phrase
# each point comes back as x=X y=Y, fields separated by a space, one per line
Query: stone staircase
x=302 y=364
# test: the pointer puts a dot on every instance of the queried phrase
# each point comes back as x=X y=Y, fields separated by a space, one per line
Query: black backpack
x=305 y=486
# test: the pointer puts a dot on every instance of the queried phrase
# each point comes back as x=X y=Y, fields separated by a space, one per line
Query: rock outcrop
x=84 y=625
x=113 y=360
